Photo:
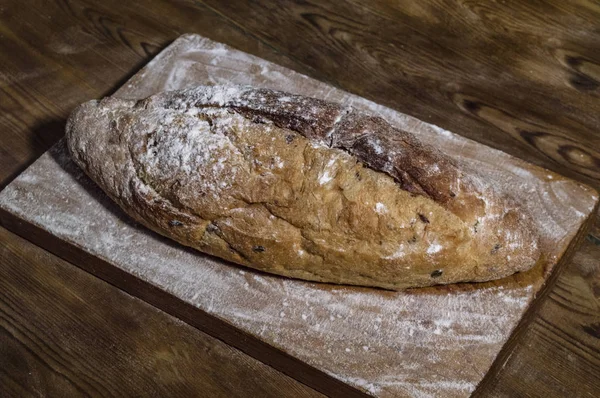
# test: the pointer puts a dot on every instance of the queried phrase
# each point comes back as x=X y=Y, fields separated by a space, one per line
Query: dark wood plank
x=65 y=333
x=493 y=71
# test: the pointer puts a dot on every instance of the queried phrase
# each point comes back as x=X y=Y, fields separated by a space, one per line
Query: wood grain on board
x=438 y=341
x=106 y=343
x=57 y=54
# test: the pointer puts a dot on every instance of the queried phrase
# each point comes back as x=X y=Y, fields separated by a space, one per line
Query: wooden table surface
x=523 y=77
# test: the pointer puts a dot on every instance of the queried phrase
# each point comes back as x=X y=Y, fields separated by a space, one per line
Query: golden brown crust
x=299 y=187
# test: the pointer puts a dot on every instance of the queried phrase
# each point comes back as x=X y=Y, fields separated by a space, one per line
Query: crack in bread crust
x=422 y=170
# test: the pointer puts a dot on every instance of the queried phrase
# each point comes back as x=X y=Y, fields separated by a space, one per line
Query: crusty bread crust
x=299 y=187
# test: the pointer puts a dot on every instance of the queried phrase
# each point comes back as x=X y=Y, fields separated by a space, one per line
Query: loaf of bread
x=299 y=187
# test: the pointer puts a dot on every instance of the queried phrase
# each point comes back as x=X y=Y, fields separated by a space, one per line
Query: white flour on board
x=381 y=342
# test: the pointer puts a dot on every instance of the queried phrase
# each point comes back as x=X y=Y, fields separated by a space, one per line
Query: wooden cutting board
x=343 y=341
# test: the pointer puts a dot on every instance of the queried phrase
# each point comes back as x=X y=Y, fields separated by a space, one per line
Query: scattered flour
x=434 y=248
x=326 y=174
x=380 y=208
